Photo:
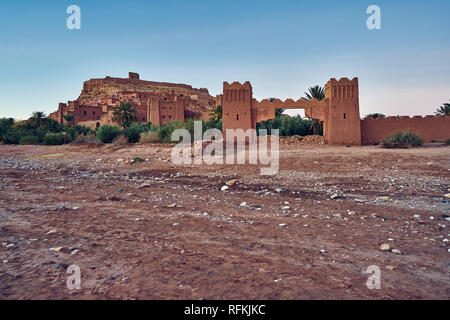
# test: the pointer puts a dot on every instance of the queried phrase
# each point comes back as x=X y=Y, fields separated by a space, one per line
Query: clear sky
x=282 y=47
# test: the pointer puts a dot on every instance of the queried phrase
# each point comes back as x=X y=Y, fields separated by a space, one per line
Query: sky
x=282 y=47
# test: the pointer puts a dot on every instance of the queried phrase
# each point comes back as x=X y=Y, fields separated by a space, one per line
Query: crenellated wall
x=339 y=110
x=429 y=128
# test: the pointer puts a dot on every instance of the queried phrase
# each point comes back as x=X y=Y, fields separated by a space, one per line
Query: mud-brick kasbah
x=161 y=102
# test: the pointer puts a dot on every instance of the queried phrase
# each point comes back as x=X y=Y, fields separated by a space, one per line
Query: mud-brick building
x=155 y=102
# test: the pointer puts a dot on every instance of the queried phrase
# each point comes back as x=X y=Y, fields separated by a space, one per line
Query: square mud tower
x=343 y=122
x=133 y=76
x=237 y=105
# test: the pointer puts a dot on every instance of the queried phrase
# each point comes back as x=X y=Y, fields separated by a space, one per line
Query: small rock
x=396 y=251
x=390 y=267
x=383 y=198
x=51 y=232
x=447 y=195
x=282 y=224
x=145 y=185
x=385 y=247
x=176 y=224
x=351 y=213
x=57 y=249
x=243 y=204
x=225 y=188
x=231 y=182
x=173 y=205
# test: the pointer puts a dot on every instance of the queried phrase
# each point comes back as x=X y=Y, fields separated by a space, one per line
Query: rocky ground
x=154 y=230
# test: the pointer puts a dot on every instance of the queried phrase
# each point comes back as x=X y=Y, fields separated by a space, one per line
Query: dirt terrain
x=154 y=230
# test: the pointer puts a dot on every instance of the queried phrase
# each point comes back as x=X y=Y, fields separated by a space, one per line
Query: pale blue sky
x=282 y=47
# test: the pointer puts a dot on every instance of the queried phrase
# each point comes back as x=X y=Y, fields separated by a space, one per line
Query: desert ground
x=155 y=230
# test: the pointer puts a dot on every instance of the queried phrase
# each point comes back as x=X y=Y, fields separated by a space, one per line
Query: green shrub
x=166 y=130
x=56 y=139
x=11 y=137
x=5 y=125
x=402 y=140
x=133 y=132
x=138 y=160
x=107 y=133
x=289 y=126
x=77 y=130
x=28 y=140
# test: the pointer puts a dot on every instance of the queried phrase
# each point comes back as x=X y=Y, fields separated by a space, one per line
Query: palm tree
x=37 y=117
x=443 y=110
x=216 y=113
x=69 y=118
x=316 y=92
x=375 y=116
x=124 y=114
x=279 y=112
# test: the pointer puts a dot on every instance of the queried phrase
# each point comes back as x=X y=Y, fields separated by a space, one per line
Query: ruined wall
x=429 y=128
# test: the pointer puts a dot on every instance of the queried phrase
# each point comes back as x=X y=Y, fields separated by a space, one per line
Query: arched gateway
x=339 y=111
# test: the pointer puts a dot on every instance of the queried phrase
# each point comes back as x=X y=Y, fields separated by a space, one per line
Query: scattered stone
x=447 y=196
x=176 y=224
x=145 y=185
x=351 y=213
x=282 y=225
x=57 y=249
x=396 y=251
x=225 y=188
x=231 y=182
x=385 y=247
x=390 y=268
x=243 y=204
x=51 y=232
x=173 y=205
x=383 y=198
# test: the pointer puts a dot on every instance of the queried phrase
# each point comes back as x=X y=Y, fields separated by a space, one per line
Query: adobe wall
x=429 y=128
x=237 y=106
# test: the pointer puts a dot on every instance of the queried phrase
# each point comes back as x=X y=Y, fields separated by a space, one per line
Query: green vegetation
x=28 y=140
x=374 y=116
x=443 y=110
x=402 y=140
x=107 y=133
x=69 y=118
x=56 y=139
x=124 y=114
x=34 y=130
x=216 y=113
x=316 y=92
x=288 y=126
